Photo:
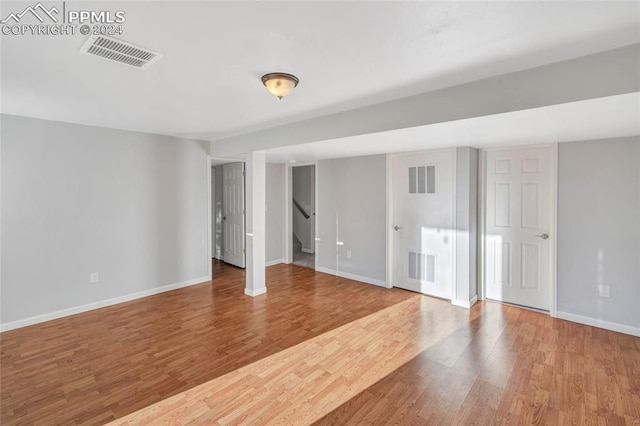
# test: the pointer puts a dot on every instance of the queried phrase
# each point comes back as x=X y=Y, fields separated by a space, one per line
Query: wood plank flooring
x=509 y=366
x=101 y=365
x=315 y=348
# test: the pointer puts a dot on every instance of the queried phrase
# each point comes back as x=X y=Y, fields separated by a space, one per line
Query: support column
x=466 y=226
x=255 y=222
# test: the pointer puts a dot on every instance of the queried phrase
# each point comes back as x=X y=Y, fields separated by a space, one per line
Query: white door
x=518 y=224
x=233 y=213
x=423 y=219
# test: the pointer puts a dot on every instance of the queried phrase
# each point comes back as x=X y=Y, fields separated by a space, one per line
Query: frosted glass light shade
x=280 y=84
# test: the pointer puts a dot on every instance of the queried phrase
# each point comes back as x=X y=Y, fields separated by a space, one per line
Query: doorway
x=518 y=224
x=303 y=215
x=423 y=206
x=228 y=211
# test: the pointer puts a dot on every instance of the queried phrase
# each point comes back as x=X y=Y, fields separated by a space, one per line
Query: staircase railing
x=300 y=209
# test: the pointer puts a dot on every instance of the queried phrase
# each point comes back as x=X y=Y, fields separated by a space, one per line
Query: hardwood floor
x=101 y=365
x=315 y=348
x=509 y=366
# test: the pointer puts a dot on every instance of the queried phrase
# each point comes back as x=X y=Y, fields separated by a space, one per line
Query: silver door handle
x=543 y=236
x=397 y=228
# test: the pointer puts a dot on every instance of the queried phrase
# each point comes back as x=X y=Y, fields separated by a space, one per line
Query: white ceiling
x=346 y=54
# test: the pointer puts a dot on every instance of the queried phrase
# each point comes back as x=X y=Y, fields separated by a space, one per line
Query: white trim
x=389 y=220
x=316 y=239
x=97 y=305
x=274 y=262
x=244 y=211
x=288 y=218
x=465 y=303
x=553 y=311
x=482 y=198
x=454 y=221
x=306 y=250
x=351 y=276
x=209 y=219
x=255 y=292
x=595 y=322
x=482 y=188
x=288 y=206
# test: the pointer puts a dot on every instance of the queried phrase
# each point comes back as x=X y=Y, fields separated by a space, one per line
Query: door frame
x=210 y=188
x=482 y=216
x=390 y=219
x=288 y=206
x=244 y=211
x=214 y=162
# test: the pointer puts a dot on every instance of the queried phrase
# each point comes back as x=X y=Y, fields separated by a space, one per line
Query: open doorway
x=228 y=211
x=303 y=215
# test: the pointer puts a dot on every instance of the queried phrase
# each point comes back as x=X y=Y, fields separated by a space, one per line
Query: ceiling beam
x=609 y=73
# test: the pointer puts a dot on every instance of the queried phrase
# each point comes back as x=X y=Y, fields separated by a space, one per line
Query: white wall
x=256 y=222
x=79 y=199
x=599 y=232
x=275 y=213
x=353 y=192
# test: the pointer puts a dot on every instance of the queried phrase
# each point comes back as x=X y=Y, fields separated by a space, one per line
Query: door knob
x=397 y=228
x=543 y=236
x=224 y=218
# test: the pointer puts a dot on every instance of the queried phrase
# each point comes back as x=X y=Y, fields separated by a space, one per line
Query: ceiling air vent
x=120 y=51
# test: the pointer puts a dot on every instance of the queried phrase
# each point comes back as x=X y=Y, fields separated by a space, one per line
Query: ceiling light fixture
x=280 y=84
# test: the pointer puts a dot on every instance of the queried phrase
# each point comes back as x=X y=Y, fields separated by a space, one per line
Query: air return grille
x=422 y=266
x=120 y=51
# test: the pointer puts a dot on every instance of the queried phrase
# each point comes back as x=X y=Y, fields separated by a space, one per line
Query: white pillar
x=255 y=217
x=466 y=226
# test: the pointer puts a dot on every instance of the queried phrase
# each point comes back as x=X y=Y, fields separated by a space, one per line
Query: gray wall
x=79 y=199
x=599 y=229
x=354 y=191
x=275 y=213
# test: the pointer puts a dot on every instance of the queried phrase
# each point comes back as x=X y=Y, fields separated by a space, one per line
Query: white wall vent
x=422 y=266
x=422 y=180
x=120 y=51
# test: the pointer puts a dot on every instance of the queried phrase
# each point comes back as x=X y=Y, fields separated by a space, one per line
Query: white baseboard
x=607 y=325
x=465 y=303
x=256 y=292
x=325 y=270
x=306 y=250
x=274 y=262
x=352 y=276
x=97 y=305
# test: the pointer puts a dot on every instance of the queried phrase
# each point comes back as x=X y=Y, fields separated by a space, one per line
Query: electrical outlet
x=348 y=254
x=603 y=290
x=94 y=277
